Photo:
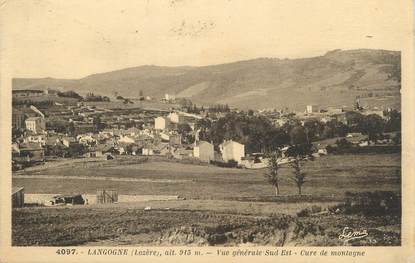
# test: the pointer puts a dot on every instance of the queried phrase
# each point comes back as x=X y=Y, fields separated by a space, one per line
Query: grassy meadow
x=330 y=175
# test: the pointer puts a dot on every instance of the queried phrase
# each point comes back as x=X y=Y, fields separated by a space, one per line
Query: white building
x=35 y=124
x=161 y=123
x=204 y=151
x=174 y=117
x=169 y=97
x=232 y=151
x=280 y=122
x=334 y=109
x=68 y=141
x=312 y=109
x=126 y=139
x=147 y=151
x=326 y=119
x=86 y=139
x=164 y=136
x=38 y=138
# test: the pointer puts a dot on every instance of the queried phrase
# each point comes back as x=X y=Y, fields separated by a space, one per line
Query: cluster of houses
x=157 y=136
x=132 y=132
x=319 y=113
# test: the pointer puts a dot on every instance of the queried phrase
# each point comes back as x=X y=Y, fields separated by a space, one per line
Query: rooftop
x=32 y=118
x=16 y=189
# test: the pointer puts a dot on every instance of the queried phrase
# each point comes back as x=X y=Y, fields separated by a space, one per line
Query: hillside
x=335 y=78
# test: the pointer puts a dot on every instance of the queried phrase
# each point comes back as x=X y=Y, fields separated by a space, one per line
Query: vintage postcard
x=232 y=130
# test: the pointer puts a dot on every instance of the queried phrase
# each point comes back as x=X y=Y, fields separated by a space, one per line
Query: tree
x=99 y=125
x=70 y=129
x=393 y=122
x=76 y=150
x=70 y=94
x=299 y=152
x=184 y=130
x=255 y=132
x=299 y=135
x=275 y=138
x=343 y=143
x=299 y=175
x=204 y=125
x=313 y=129
x=372 y=125
x=272 y=171
x=17 y=133
x=354 y=120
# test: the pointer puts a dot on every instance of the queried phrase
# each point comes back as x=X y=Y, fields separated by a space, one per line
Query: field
x=331 y=175
x=222 y=206
x=118 y=104
x=158 y=227
x=63 y=100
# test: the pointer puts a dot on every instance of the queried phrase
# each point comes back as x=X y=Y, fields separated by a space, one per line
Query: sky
x=72 y=39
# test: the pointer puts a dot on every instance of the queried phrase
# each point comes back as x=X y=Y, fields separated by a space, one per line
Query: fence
x=107 y=196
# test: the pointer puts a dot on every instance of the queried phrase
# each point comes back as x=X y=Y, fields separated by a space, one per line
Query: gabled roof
x=26 y=111
x=30 y=146
x=16 y=189
x=32 y=118
x=202 y=143
x=226 y=143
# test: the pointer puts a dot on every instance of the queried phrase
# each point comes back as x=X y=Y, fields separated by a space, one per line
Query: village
x=171 y=157
x=79 y=130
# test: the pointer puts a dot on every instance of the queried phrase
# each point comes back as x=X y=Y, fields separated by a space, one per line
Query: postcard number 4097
x=66 y=251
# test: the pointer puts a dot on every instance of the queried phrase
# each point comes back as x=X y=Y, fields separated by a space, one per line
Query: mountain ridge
x=335 y=78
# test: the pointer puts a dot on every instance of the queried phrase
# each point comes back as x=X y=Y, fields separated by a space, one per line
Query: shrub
x=376 y=203
x=343 y=143
x=316 y=209
x=304 y=212
x=229 y=164
x=232 y=163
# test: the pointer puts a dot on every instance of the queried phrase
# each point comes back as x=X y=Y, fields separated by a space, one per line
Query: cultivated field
x=222 y=206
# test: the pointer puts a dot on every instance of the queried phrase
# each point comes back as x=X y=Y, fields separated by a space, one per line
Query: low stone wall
x=42 y=199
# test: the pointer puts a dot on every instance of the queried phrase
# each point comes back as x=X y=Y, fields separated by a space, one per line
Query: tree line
x=258 y=134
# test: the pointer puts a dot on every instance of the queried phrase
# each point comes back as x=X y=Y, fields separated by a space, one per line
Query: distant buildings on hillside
x=27 y=93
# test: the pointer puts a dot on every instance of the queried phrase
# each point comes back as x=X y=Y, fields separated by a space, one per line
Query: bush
x=331 y=149
x=304 y=212
x=377 y=149
x=229 y=164
x=376 y=203
x=316 y=209
x=343 y=143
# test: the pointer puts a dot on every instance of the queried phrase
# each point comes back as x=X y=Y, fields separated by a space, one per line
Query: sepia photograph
x=205 y=124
